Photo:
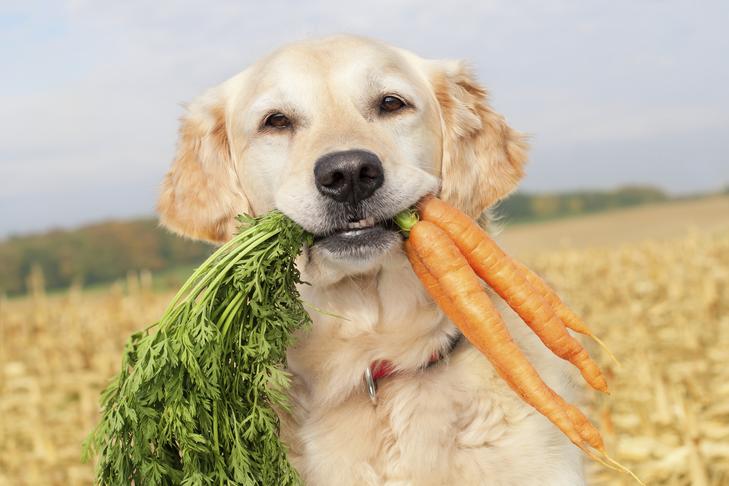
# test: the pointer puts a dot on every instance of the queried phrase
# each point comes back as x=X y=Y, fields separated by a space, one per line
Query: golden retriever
x=341 y=134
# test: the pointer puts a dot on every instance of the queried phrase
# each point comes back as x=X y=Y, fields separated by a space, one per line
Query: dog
x=341 y=134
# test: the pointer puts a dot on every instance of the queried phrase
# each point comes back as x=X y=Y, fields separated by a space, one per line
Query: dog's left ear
x=483 y=158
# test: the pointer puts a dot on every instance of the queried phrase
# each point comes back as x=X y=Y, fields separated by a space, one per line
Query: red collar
x=383 y=368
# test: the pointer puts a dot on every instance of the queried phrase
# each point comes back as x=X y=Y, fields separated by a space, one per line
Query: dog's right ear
x=201 y=194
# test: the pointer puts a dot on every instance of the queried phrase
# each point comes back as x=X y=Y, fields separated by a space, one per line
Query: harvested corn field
x=662 y=307
x=57 y=353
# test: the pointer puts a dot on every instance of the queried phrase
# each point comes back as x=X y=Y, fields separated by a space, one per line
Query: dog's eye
x=390 y=104
x=277 y=120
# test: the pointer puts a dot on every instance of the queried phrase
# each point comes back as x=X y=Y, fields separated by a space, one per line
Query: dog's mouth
x=361 y=238
x=358 y=228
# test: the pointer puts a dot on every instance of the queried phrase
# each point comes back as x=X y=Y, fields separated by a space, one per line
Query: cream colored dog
x=341 y=134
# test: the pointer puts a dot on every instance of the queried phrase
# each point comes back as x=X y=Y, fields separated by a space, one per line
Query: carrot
x=431 y=284
x=441 y=257
x=452 y=283
x=585 y=428
x=569 y=318
x=508 y=280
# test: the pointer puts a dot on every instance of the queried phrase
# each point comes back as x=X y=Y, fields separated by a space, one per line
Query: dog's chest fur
x=454 y=423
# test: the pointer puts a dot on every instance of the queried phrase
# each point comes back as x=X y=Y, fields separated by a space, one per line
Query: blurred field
x=657 y=293
x=652 y=221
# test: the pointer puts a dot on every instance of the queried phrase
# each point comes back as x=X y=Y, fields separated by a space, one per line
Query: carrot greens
x=195 y=400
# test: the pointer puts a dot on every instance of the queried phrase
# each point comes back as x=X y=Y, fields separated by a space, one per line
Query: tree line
x=93 y=254
x=525 y=207
x=108 y=251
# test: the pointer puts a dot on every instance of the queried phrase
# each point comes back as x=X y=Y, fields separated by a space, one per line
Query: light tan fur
x=456 y=423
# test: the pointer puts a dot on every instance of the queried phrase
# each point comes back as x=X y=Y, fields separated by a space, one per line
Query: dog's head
x=340 y=134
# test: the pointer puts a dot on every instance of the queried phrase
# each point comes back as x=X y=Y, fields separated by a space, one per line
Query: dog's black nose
x=348 y=176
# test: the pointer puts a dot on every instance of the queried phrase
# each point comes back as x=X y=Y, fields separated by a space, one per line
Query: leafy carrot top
x=194 y=401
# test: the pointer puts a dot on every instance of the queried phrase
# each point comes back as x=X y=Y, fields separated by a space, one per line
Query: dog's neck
x=383 y=314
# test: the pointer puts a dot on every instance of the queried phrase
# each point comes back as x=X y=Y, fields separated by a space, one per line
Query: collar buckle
x=384 y=368
x=370 y=385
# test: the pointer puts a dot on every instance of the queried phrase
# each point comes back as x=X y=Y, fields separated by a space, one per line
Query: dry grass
x=56 y=354
x=658 y=221
x=663 y=307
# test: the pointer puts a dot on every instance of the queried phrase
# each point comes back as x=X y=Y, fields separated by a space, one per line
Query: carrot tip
x=611 y=463
x=600 y=384
x=607 y=351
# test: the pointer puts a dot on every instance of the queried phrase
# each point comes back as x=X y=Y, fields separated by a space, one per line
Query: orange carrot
x=509 y=281
x=451 y=281
x=569 y=318
x=585 y=428
x=444 y=255
x=431 y=284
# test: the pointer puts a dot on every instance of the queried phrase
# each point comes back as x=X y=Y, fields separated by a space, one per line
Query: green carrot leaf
x=196 y=398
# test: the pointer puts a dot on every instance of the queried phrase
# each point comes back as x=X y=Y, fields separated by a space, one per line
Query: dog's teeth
x=362 y=223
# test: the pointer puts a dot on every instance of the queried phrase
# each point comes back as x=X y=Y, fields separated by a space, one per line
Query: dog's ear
x=483 y=158
x=201 y=194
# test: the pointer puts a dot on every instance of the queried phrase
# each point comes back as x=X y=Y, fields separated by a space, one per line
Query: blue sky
x=612 y=92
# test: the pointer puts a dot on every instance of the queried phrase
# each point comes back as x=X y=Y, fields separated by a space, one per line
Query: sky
x=611 y=92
